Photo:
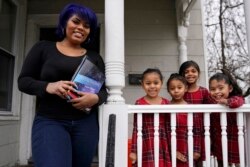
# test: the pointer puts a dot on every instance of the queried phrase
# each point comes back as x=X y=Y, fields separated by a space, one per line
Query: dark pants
x=64 y=143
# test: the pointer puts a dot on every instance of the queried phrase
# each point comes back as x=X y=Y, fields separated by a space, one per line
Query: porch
x=114 y=51
x=120 y=137
x=115 y=81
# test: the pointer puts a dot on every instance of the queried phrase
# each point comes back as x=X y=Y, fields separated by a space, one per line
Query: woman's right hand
x=60 y=88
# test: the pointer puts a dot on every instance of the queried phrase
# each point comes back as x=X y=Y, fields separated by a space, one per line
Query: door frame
x=34 y=23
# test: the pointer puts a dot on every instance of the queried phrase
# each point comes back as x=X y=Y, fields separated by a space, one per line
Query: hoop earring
x=63 y=33
x=87 y=41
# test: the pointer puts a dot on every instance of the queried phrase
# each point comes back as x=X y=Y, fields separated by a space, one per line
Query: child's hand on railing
x=223 y=101
x=181 y=157
x=133 y=157
x=196 y=155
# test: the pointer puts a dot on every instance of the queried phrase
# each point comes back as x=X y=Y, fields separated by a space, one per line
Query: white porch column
x=115 y=81
x=182 y=23
x=182 y=37
x=247 y=17
x=114 y=49
x=121 y=134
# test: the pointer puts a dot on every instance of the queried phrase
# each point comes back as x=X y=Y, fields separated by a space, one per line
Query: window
x=7 y=24
x=7 y=28
x=6 y=79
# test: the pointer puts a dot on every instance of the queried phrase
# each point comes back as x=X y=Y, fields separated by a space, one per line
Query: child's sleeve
x=235 y=101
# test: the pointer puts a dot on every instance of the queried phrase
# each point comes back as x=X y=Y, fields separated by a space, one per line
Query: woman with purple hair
x=63 y=133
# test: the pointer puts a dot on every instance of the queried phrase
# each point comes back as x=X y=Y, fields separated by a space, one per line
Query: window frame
x=17 y=49
x=9 y=78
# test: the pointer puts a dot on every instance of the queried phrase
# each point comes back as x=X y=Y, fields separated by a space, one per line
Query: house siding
x=150 y=36
x=9 y=143
x=10 y=123
x=150 y=40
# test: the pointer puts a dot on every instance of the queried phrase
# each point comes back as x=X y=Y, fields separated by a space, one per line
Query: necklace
x=71 y=50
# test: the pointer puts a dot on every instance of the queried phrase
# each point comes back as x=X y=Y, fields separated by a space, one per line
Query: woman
x=63 y=133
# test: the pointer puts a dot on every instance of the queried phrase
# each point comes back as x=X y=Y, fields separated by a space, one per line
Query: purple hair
x=81 y=11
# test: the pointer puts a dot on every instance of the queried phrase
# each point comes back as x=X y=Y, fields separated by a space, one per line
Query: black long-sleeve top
x=45 y=64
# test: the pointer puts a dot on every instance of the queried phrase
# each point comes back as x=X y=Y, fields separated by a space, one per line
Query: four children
x=183 y=89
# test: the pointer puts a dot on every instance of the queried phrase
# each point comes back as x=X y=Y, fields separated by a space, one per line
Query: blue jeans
x=64 y=143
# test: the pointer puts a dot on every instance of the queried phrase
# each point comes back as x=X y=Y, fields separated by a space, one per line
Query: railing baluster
x=173 y=139
x=212 y=161
x=240 y=124
x=139 y=140
x=207 y=137
x=156 y=139
x=215 y=162
x=190 y=139
x=223 y=122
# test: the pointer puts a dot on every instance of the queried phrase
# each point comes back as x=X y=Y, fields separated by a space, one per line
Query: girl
x=225 y=91
x=196 y=95
x=177 y=87
x=151 y=83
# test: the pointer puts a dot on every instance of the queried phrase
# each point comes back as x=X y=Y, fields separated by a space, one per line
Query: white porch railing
x=122 y=112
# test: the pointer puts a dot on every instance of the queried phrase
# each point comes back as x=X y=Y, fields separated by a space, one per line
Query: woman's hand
x=86 y=100
x=181 y=157
x=133 y=157
x=60 y=88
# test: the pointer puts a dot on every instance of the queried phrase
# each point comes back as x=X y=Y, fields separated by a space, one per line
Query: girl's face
x=177 y=89
x=219 y=89
x=77 y=30
x=191 y=74
x=152 y=84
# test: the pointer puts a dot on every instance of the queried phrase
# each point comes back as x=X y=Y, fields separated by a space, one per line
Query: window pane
x=7 y=24
x=6 y=79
